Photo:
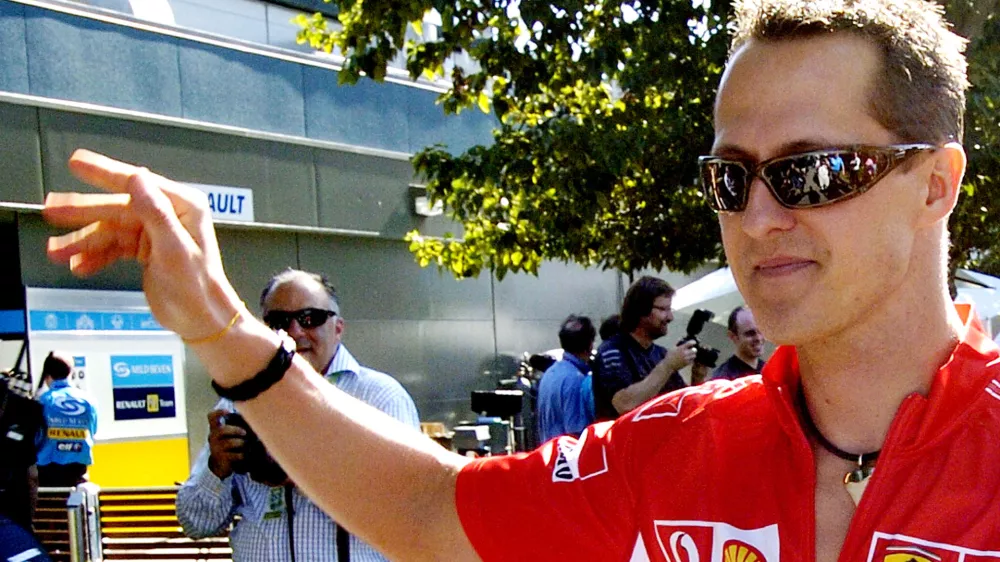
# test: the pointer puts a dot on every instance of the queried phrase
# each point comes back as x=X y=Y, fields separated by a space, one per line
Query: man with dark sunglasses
x=304 y=306
x=871 y=434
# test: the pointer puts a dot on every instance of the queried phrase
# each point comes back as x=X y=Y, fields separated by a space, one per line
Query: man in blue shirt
x=71 y=417
x=566 y=393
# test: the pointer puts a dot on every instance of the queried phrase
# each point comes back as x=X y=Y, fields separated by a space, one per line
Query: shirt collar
x=576 y=361
x=972 y=368
x=342 y=361
x=61 y=383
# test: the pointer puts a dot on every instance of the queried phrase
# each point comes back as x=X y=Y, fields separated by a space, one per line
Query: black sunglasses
x=803 y=181
x=306 y=317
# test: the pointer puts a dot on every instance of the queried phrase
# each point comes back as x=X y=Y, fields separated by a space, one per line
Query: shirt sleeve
x=612 y=374
x=205 y=502
x=205 y=505
x=386 y=394
x=587 y=397
x=569 y=499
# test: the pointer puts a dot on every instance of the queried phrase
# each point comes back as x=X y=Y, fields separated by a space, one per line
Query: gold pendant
x=857 y=480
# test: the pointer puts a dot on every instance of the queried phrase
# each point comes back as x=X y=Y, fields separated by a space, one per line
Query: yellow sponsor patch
x=67 y=433
x=152 y=403
x=906 y=557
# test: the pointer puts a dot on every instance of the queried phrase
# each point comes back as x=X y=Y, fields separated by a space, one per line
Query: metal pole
x=77 y=517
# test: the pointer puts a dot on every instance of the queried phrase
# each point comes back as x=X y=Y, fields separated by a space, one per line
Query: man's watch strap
x=265 y=379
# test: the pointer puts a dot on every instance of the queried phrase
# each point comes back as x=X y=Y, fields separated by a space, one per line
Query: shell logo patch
x=714 y=541
x=739 y=551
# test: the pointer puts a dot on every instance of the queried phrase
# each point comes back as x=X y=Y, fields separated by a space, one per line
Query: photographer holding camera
x=630 y=369
x=235 y=475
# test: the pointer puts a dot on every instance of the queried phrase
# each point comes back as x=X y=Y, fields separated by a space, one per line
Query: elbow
x=622 y=403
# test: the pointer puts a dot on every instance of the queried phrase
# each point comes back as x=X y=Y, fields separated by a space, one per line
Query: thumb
x=153 y=208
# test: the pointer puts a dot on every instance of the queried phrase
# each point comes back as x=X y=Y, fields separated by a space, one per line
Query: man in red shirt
x=871 y=434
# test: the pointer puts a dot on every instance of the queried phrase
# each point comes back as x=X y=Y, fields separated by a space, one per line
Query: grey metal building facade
x=240 y=105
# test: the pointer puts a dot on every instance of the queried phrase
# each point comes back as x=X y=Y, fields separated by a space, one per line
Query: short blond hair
x=919 y=92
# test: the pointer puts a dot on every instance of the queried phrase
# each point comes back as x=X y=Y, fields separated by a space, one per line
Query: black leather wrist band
x=253 y=387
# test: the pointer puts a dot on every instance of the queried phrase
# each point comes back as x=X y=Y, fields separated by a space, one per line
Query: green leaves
x=975 y=223
x=602 y=109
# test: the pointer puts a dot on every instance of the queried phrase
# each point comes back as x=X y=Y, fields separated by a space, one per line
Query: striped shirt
x=207 y=505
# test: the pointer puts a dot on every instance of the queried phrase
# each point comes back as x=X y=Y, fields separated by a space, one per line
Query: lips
x=780 y=266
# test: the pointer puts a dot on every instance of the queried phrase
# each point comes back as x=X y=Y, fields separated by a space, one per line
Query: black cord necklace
x=856 y=480
x=810 y=426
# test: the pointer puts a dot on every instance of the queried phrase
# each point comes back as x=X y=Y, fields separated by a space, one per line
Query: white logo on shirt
x=567 y=465
x=707 y=541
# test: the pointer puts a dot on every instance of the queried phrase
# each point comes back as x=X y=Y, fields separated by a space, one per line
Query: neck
x=642 y=337
x=854 y=381
x=581 y=356
x=748 y=359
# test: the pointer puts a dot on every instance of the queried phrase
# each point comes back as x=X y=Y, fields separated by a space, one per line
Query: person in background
x=276 y=522
x=565 y=393
x=22 y=427
x=630 y=368
x=67 y=450
x=610 y=326
x=749 y=344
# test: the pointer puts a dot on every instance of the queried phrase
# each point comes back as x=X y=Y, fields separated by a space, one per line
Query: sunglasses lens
x=818 y=179
x=312 y=318
x=278 y=320
x=307 y=318
x=725 y=184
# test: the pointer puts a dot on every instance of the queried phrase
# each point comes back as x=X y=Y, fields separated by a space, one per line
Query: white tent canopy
x=717 y=292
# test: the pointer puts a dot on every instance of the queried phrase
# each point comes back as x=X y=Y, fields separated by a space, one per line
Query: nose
x=764 y=214
x=670 y=316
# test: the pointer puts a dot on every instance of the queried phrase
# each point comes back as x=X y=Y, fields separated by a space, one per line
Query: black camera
x=257 y=462
x=707 y=356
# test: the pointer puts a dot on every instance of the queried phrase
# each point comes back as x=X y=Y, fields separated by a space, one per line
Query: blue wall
x=55 y=55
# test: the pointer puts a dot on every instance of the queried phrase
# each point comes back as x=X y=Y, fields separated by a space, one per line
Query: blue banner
x=74 y=320
x=11 y=321
x=140 y=371
x=144 y=403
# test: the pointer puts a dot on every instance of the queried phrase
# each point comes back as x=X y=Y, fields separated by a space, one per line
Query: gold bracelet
x=216 y=336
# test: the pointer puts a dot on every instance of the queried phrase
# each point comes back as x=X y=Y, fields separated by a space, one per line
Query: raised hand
x=166 y=226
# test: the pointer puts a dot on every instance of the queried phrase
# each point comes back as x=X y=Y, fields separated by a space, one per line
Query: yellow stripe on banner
x=156 y=462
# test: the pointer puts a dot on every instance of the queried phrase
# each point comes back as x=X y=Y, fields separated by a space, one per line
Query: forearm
x=632 y=396
x=349 y=443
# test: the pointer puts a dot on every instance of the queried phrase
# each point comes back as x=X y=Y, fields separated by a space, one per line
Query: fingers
x=213 y=417
x=152 y=206
x=93 y=247
x=93 y=240
x=114 y=176
x=100 y=171
x=78 y=209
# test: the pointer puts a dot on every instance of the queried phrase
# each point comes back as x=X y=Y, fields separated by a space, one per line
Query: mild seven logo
x=142 y=370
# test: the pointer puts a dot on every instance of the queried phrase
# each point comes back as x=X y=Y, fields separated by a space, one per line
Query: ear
x=339 y=326
x=945 y=182
x=735 y=338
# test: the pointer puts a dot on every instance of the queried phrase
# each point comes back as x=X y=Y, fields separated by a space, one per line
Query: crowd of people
x=629 y=368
